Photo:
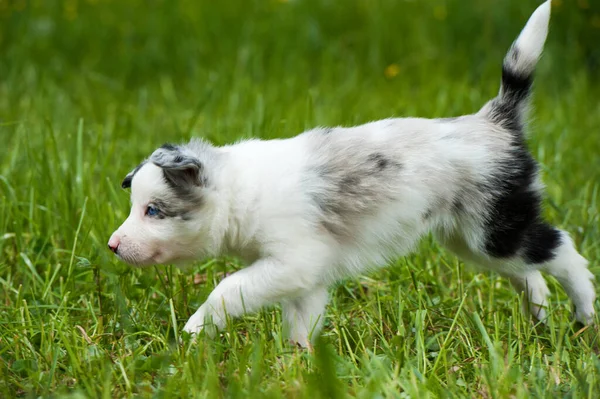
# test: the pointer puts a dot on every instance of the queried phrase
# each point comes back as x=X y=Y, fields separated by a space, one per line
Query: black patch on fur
x=169 y=147
x=506 y=115
x=541 y=242
x=428 y=213
x=515 y=86
x=327 y=130
x=380 y=160
x=515 y=220
x=515 y=209
x=126 y=183
x=506 y=108
x=457 y=205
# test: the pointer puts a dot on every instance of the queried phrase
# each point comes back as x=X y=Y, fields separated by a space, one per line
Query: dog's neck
x=234 y=223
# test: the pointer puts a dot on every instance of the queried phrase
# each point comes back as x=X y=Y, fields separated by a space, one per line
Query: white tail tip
x=528 y=47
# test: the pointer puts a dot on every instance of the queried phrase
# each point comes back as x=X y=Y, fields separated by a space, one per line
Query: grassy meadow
x=89 y=88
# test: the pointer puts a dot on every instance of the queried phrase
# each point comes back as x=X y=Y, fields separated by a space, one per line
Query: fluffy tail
x=518 y=68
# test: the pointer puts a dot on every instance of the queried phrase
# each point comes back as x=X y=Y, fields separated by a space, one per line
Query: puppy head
x=170 y=209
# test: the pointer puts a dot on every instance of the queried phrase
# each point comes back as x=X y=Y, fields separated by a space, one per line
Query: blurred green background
x=89 y=88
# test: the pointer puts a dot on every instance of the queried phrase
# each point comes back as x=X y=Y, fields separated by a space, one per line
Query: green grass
x=89 y=88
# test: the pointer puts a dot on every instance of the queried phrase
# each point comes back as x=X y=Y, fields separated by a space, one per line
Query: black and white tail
x=517 y=71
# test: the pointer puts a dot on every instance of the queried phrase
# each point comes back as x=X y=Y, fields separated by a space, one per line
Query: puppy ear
x=127 y=180
x=180 y=168
x=126 y=183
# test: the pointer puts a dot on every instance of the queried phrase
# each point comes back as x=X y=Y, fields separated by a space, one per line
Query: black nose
x=113 y=248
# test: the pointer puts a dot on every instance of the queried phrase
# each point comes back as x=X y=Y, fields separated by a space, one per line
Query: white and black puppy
x=331 y=203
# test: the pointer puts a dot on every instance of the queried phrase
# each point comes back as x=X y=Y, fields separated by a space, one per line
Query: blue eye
x=151 y=211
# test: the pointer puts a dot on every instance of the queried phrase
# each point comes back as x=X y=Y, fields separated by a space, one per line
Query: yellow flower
x=391 y=71
x=70 y=10
x=583 y=4
x=4 y=8
x=20 y=5
x=440 y=12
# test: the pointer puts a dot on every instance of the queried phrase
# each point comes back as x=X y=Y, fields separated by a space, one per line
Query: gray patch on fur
x=180 y=169
x=354 y=178
x=428 y=214
x=458 y=204
x=185 y=174
x=175 y=208
x=473 y=194
x=382 y=162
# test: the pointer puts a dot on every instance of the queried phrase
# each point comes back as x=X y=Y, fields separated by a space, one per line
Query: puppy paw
x=303 y=344
x=203 y=320
x=193 y=326
x=585 y=316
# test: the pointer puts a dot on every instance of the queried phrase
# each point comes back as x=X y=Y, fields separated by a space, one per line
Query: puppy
x=332 y=203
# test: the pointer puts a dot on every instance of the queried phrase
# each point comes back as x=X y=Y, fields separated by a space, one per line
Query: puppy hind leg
x=529 y=281
x=533 y=285
x=304 y=316
x=571 y=271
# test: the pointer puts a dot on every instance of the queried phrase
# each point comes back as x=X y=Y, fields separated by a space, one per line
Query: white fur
x=530 y=42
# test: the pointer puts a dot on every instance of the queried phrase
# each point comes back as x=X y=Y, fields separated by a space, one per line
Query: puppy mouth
x=158 y=257
x=140 y=263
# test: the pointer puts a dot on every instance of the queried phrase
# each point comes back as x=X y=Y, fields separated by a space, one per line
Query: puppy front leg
x=264 y=282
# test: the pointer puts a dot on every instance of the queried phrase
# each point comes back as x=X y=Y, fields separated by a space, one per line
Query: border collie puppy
x=332 y=203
